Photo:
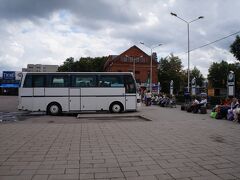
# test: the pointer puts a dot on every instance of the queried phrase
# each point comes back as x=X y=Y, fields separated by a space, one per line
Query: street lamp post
x=151 y=48
x=134 y=64
x=188 y=23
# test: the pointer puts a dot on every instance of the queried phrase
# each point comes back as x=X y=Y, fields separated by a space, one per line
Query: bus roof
x=113 y=73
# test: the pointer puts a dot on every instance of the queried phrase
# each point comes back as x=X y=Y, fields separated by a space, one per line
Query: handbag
x=213 y=114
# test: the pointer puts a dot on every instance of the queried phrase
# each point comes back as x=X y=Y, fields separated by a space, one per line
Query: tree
x=198 y=75
x=68 y=65
x=84 y=64
x=217 y=74
x=170 y=69
x=235 y=48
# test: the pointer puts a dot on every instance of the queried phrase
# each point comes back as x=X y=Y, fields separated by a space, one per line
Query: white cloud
x=51 y=31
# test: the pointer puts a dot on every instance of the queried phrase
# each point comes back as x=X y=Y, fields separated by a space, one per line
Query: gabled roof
x=112 y=58
x=134 y=47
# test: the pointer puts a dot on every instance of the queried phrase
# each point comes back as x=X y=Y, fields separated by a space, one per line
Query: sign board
x=8 y=75
x=194 y=86
x=9 y=85
x=18 y=75
x=231 y=83
x=211 y=92
x=171 y=87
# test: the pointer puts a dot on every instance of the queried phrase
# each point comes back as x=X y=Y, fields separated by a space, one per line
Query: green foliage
x=198 y=75
x=67 y=66
x=84 y=64
x=217 y=74
x=170 y=69
x=235 y=48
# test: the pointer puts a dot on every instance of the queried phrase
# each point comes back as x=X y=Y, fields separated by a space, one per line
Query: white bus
x=73 y=92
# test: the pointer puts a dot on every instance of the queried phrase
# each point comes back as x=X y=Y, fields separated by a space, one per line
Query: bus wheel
x=116 y=107
x=54 y=109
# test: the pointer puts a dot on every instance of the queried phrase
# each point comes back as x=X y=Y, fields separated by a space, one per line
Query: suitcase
x=183 y=108
x=203 y=110
x=189 y=109
x=195 y=110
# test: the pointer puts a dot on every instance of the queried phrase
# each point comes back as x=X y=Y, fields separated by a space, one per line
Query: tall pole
x=134 y=67
x=188 y=22
x=188 y=58
x=151 y=48
x=151 y=72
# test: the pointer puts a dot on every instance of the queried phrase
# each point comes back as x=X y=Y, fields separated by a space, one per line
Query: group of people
x=228 y=109
x=197 y=104
x=158 y=99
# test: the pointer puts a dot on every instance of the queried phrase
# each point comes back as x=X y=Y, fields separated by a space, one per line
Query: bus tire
x=54 y=109
x=116 y=107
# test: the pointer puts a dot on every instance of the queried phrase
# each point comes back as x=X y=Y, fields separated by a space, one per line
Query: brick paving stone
x=109 y=175
x=64 y=177
x=236 y=174
x=175 y=144
x=213 y=177
x=72 y=171
x=142 y=178
x=227 y=176
x=86 y=176
x=184 y=174
x=10 y=172
x=50 y=171
x=21 y=177
x=130 y=173
x=151 y=172
x=226 y=170
x=164 y=177
x=40 y=177
x=28 y=172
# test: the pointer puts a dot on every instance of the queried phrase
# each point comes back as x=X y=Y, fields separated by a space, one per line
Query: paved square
x=174 y=145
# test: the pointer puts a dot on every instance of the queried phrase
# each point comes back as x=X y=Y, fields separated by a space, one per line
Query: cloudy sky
x=49 y=31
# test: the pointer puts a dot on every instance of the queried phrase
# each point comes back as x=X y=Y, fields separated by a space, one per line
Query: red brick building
x=134 y=58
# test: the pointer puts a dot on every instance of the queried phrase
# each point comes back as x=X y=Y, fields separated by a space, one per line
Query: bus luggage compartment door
x=131 y=102
x=74 y=99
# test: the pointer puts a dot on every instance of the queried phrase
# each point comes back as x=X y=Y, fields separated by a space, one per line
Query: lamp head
x=141 y=43
x=200 y=17
x=173 y=14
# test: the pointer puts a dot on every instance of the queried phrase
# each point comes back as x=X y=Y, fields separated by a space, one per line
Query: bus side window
x=83 y=80
x=28 y=81
x=111 y=81
x=38 y=81
x=58 y=81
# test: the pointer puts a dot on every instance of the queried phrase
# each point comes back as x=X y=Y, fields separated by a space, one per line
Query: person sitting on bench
x=202 y=103
x=197 y=105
